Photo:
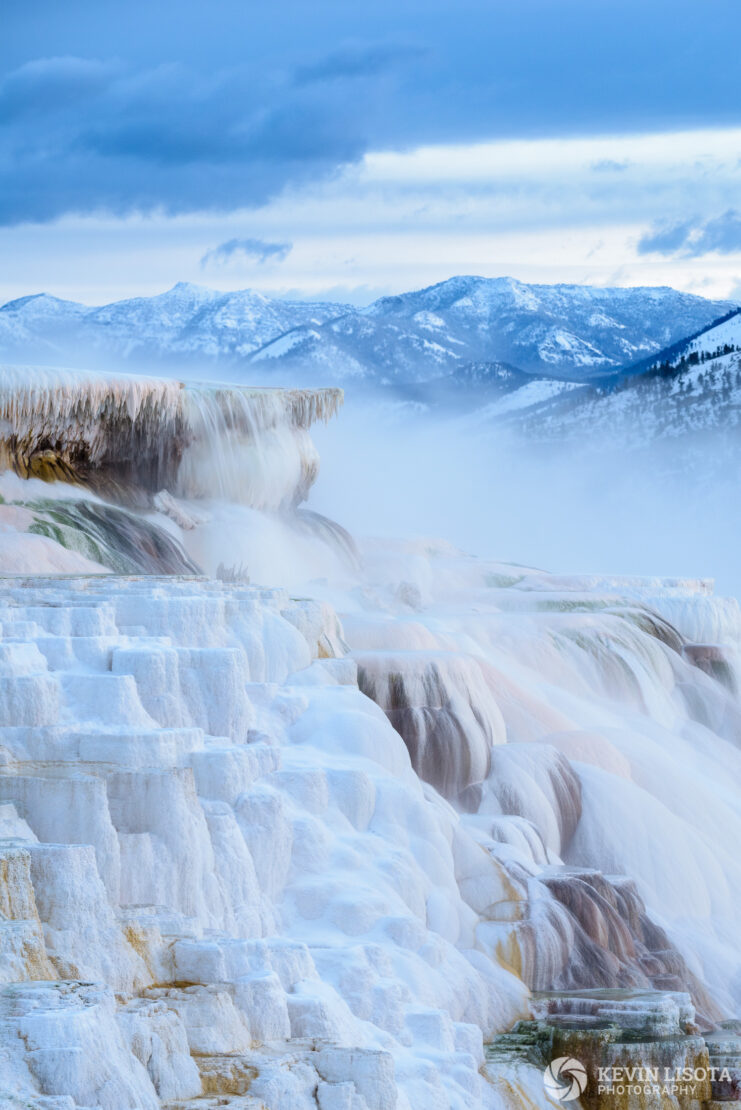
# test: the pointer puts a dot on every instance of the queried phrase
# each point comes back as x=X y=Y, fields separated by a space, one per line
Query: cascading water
x=133 y=435
x=443 y=708
x=250 y=853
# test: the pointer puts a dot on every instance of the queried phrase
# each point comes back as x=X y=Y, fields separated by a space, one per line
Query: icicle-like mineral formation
x=124 y=435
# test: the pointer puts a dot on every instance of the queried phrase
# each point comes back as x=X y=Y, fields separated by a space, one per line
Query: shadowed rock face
x=441 y=705
x=615 y=941
x=711 y=658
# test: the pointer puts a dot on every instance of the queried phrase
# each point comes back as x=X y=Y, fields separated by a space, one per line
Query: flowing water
x=376 y=834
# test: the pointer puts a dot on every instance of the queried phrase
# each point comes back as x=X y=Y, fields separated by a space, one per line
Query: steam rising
x=665 y=510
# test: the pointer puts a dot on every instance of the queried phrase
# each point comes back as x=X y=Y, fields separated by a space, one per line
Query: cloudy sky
x=325 y=148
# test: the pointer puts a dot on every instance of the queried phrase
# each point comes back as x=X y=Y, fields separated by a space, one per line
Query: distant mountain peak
x=39 y=300
x=191 y=289
x=563 y=332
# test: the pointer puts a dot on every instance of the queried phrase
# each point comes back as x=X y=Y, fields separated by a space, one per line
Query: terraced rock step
x=208 y=894
x=724 y=1046
x=624 y=1050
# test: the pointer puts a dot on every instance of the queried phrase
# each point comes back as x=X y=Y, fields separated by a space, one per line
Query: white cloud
x=540 y=210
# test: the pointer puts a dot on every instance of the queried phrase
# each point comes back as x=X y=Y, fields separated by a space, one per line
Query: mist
x=391 y=471
x=395 y=469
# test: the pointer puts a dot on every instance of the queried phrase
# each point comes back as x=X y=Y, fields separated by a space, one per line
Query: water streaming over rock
x=133 y=435
x=251 y=852
x=443 y=708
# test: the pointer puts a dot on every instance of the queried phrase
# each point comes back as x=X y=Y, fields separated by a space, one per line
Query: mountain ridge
x=688 y=392
x=564 y=331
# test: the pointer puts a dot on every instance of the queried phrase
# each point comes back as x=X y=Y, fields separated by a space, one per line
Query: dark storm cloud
x=178 y=107
x=80 y=136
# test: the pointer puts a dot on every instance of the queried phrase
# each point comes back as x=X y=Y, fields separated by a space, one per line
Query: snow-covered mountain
x=690 y=390
x=454 y=330
x=562 y=331
x=187 y=321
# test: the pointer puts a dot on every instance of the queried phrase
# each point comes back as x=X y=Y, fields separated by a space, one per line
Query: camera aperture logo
x=565 y=1078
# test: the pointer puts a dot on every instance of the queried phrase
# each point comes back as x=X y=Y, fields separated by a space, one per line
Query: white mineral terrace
x=257 y=855
x=218 y=846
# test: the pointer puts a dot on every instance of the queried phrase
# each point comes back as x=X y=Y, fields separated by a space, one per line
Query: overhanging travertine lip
x=126 y=436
